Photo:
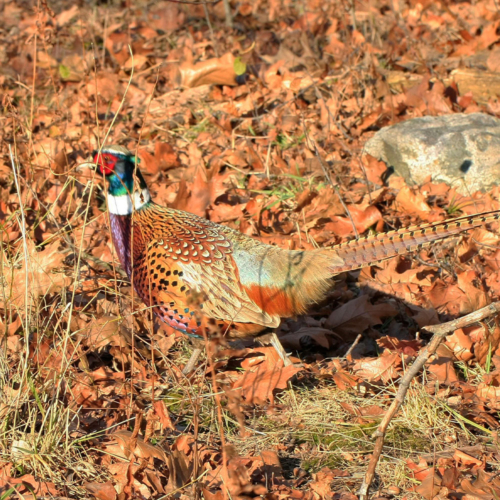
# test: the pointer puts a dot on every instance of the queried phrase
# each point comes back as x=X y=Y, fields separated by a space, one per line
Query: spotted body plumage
x=200 y=276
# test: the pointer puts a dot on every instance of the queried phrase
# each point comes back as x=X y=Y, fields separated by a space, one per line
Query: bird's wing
x=206 y=278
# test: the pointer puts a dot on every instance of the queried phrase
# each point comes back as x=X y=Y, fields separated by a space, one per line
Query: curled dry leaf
x=319 y=335
x=485 y=487
x=25 y=485
x=142 y=449
x=465 y=459
x=218 y=71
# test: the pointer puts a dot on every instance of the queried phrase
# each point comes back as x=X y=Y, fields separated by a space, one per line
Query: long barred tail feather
x=369 y=250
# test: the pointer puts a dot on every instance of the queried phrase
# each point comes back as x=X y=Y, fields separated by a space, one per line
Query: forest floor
x=260 y=127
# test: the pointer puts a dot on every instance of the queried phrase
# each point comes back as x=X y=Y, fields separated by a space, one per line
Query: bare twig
x=229 y=16
x=354 y=344
x=439 y=333
x=212 y=36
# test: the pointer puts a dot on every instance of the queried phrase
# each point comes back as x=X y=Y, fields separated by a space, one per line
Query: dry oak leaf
x=316 y=333
x=44 y=275
x=102 y=491
x=101 y=332
x=458 y=299
x=357 y=315
x=421 y=470
x=486 y=344
x=460 y=344
x=363 y=219
x=25 y=485
x=384 y=368
x=375 y=169
x=465 y=458
x=344 y=380
x=257 y=385
x=490 y=394
x=142 y=449
x=218 y=71
x=442 y=367
x=122 y=473
x=106 y=84
x=485 y=487
x=413 y=202
x=406 y=347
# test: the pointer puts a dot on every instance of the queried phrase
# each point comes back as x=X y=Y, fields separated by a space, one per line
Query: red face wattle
x=105 y=162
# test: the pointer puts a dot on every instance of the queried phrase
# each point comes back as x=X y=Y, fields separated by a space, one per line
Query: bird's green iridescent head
x=118 y=165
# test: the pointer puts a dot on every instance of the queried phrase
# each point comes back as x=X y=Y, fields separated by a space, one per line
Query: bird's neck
x=123 y=199
x=121 y=233
x=126 y=204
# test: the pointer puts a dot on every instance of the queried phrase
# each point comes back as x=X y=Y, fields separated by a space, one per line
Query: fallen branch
x=439 y=333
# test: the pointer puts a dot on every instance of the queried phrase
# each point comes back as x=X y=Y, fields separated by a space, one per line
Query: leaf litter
x=261 y=128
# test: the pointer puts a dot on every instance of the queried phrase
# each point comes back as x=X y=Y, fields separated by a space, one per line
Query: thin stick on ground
x=439 y=333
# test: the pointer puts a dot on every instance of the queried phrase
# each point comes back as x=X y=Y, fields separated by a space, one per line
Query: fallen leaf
x=385 y=367
x=44 y=275
x=412 y=201
x=357 y=315
x=257 y=385
x=102 y=491
x=218 y=71
x=142 y=449
x=460 y=344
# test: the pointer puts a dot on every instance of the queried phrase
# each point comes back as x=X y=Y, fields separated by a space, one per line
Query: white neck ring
x=125 y=205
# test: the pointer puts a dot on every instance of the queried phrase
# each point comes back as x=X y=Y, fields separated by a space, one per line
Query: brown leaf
x=460 y=344
x=319 y=335
x=141 y=450
x=430 y=486
x=218 y=71
x=406 y=347
x=166 y=156
x=465 y=459
x=101 y=332
x=363 y=219
x=357 y=315
x=384 y=368
x=412 y=201
x=45 y=275
x=25 y=484
x=257 y=385
x=374 y=169
x=421 y=470
x=162 y=413
x=442 y=367
x=102 y=491
x=344 y=380
x=485 y=487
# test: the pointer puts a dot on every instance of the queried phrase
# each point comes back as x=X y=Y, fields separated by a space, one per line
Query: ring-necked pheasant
x=188 y=268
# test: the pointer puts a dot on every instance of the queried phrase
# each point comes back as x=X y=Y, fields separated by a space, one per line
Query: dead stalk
x=439 y=333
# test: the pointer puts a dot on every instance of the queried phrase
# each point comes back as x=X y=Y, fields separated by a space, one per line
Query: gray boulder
x=459 y=149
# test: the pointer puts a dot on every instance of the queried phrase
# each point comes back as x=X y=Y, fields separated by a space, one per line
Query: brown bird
x=199 y=276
